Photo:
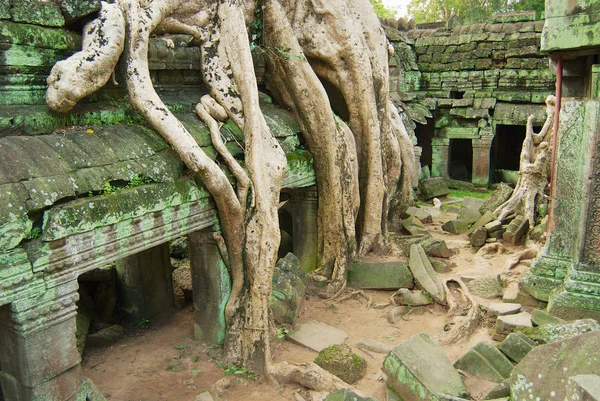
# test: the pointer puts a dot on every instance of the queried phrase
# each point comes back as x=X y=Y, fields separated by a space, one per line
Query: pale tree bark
x=358 y=164
x=534 y=170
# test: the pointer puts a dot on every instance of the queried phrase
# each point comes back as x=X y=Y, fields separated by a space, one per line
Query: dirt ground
x=163 y=362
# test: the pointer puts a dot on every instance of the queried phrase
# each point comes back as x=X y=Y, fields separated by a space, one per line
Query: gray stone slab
x=584 y=388
x=420 y=214
x=502 y=308
x=516 y=346
x=425 y=275
x=488 y=287
x=410 y=368
x=507 y=324
x=485 y=361
x=379 y=274
x=317 y=335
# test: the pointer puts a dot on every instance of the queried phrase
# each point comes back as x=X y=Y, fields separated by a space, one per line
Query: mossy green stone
x=342 y=362
x=37 y=12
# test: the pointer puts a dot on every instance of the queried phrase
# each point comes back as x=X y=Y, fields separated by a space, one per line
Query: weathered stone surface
x=433 y=188
x=485 y=361
x=470 y=210
x=508 y=323
x=500 y=392
x=549 y=333
x=412 y=298
x=516 y=345
x=75 y=9
x=493 y=226
x=317 y=335
x=503 y=308
x=289 y=289
x=375 y=346
x=425 y=275
x=182 y=284
x=347 y=395
x=516 y=231
x=584 y=388
x=179 y=248
x=436 y=247
x=339 y=360
x=205 y=396
x=420 y=214
x=107 y=336
x=456 y=226
x=498 y=197
x=515 y=294
x=478 y=237
x=486 y=287
x=481 y=222
x=37 y=12
x=395 y=314
x=413 y=226
x=543 y=373
x=409 y=368
x=540 y=317
x=378 y=274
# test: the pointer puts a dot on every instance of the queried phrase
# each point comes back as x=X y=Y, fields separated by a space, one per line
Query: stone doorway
x=425 y=134
x=505 y=152
x=460 y=163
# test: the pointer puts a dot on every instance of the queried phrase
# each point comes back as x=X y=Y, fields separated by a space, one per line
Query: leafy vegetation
x=381 y=10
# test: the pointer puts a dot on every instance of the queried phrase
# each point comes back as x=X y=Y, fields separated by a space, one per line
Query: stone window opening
x=460 y=163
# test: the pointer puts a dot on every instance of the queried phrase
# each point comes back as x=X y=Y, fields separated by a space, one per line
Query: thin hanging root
x=515 y=259
x=462 y=326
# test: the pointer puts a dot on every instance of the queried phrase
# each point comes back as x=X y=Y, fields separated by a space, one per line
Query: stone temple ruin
x=96 y=186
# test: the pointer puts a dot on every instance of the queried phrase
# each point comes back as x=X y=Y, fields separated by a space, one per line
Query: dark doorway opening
x=336 y=100
x=286 y=228
x=424 y=135
x=460 y=165
x=506 y=152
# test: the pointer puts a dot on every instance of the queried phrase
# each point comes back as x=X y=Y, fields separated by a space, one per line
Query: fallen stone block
x=478 y=237
x=339 y=360
x=205 y=396
x=516 y=231
x=584 y=388
x=493 y=225
x=496 y=235
x=500 y=392
x=507 y=324
x=347 y=395
x=404 y=242
x=540 y=317
x=456 y=226
x=433 y=188
x=485 y=361
x=413 y=226
x=441 y=265
x=410 y=366
x=396 y=313
x=107 y=336
x=539 y=230
x=424 y=274
x=516 y=346
x=515 y=294
x=412 y=298
x=500 y=309
x=487 y=287
x=549 y=333
x=436 y=247
x=289 y=289
x=377 y=274
x=498 y=197
x=543 y=373
x=420 y=214
x=483 y=220
x=317 y=335
x=375 y=346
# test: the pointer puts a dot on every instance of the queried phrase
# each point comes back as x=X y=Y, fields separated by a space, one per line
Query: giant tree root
x=514 y=260
x=464 y=313
x=309 y=375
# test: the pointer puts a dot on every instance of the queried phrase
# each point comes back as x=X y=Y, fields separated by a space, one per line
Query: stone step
x=486 y=362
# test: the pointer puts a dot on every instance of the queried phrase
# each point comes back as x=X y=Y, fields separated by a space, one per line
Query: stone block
x=412 y=298
x=409 y=368
x=501 y=309
x=478 y=237
x=500 y=392
x=396 y=313
x=425 y=275
x=481 y=222
x=584 y=388
x=516 y=346
x=540 y=317
x=317 y=335
x=498 y=197
x=469 y=214
x=488 y=287
x=456 y=226
x=494 y=225
x=485 y=361
x=73 y=10
x=507 y=324
x=543 y=373
x=420 y=214
x=378 y=274
x=553 y=332
x=433 y=188
x=436 y=248
x=347 y=395
x=106 y=336
x=516 y=231
x=339 y=360
x=413 y=226
x=37 y=12
x=289 y=289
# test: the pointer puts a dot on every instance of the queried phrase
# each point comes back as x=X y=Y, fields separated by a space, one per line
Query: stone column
x=303 y=206
x=38 y=354
x=567 y=273
x=418 y=153
x=211 y=286
x=481 y=161
x=144 y=283
x=440 y=148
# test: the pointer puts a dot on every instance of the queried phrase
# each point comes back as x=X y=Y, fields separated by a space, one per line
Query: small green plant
x=196 y=358
x=239 y=371
x=144 y=323
x=180 y=347
x=138 y=180
x=170 y=367
x=108 y=188
x=281 y=332
x=34 y=233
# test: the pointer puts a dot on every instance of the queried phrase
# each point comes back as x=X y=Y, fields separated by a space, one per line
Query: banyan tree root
x=464 y=312
x=516 y=258
x=309 y=375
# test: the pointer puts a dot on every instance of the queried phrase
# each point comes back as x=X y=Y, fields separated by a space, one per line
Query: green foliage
x=109 y=189
x=459 y=193
x=180 y=347
x=139 y=180
x=144 y=323
x=468 y=10
x=281 y=332
x=256 y=28
x=381 y=10
x=239 y=371
x=34 y=233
